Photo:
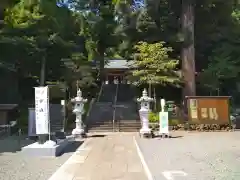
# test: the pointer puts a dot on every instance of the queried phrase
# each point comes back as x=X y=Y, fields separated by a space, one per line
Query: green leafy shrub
x=153 y=117
x=174 y=122
x=22 y=122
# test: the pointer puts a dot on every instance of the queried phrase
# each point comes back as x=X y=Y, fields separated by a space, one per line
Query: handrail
x=90 y=106
x=114 y=109
x=100 y=92
x=89 y=111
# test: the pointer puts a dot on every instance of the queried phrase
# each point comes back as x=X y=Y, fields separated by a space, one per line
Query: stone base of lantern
x=145 y=132
x=78 y=133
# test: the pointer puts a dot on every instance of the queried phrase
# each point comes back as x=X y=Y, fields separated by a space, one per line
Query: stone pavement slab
x=112 y=157
x=193 y=156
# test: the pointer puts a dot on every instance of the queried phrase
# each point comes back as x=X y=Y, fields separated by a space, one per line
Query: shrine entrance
x=113 y=77
x=116 y=71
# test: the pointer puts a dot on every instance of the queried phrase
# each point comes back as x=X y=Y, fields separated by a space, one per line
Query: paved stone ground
x=110 y=157
x=198 y=156
x=16 y=166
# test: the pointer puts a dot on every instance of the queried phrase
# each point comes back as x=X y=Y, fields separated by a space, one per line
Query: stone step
x=110 y=129
x=132 y=124
x=100 y=130
x=99 y=122
x=129 y=130
x=99 y=126
x=115 y=129
x=129 y=121
x=129 y=127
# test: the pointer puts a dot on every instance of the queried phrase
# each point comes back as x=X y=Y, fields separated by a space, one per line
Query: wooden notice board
x=208 y=109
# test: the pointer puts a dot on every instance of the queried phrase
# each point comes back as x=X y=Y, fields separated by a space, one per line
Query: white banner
x=163 y=124
x=42 y=110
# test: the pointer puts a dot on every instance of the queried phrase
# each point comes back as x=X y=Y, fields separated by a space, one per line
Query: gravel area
x=199 y=156
x=14 y=165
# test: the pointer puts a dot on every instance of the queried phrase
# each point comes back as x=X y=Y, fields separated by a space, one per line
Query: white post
x=78 y=110
x=163 y=105
x=163 y=119
x=144 y=112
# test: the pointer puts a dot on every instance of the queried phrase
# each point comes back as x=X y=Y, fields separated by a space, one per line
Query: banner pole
x=49 y=125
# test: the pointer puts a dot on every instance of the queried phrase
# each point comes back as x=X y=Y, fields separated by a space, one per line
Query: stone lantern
x=79 y=102
x=144 y=112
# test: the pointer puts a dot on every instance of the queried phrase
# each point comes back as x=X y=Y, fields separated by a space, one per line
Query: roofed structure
x=118 y=64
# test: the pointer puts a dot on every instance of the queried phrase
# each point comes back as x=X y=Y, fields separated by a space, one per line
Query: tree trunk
x=43 y=72
x=150 y=90
x=101 y=51
x=188 y=50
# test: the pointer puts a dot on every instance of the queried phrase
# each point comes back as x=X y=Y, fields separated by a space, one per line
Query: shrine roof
x=118 y=64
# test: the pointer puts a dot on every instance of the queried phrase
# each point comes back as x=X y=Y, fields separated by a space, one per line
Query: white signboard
x=163 y=124
x=42 y=110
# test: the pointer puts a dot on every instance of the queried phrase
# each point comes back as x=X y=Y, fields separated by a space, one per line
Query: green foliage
x=36 y=30
x=221 y=68
x=68 y=40
x=154 y=118
x=22 y=121
x=154 y=66
x=78 y=71
x=224 y=61
x=97 y=28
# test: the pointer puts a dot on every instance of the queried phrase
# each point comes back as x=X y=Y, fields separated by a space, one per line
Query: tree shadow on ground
x=170 y=137
x=97 y=135
x=14 y=144
x=71 y=147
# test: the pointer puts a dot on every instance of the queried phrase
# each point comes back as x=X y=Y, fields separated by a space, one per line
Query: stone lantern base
x=78 y=132
x=144 y=132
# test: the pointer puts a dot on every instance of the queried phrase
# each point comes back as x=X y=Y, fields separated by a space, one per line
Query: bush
x=22 y=122
x=174 y=122
x=153 y=117
x=177 y=124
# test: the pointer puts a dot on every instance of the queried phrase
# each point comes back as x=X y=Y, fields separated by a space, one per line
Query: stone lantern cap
x=145 y=97
x=79 y=97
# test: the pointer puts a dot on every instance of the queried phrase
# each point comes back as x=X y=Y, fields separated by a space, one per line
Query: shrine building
x=117 y=70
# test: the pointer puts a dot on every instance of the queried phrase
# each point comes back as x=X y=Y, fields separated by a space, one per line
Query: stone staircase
x=123 y=113
x=127 y=117
x=108 y=93
x=126 y=93
x=100 y=117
